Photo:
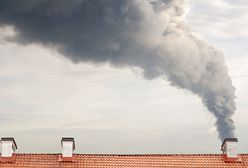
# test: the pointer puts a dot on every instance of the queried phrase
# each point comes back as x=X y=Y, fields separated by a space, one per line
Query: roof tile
x=125 y=161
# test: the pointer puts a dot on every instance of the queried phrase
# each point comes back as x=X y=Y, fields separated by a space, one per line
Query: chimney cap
x=68 y=139
x=229 y=140
x=9 y=139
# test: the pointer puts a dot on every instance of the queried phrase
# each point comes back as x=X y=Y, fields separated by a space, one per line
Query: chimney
x=230 y=150
x=8 y=147
x=68 y=147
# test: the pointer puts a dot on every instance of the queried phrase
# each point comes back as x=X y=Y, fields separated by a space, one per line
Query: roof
x=125 y=161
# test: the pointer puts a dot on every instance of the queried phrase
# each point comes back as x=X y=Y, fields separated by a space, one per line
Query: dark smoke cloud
x=150 y=35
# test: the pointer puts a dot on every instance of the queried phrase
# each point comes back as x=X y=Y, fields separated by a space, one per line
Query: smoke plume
x=150 y=35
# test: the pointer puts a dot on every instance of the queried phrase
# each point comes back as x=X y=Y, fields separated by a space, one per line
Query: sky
x=112 y=108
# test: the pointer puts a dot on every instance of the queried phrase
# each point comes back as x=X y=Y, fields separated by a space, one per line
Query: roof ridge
x=159 y=154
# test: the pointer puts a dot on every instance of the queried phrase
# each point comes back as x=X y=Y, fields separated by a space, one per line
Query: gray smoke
x=150 y=35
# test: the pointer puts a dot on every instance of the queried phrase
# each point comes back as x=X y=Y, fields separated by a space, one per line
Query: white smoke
x=193 y=64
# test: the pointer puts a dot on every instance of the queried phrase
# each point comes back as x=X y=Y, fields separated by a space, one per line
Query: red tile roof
x=125 y=161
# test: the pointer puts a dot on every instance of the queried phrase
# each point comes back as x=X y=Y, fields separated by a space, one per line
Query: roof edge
x=89 y=154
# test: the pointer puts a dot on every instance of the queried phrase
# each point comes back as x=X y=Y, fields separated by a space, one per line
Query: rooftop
x=121 y=161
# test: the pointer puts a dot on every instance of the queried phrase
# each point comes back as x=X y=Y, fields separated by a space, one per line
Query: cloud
x=225 y=19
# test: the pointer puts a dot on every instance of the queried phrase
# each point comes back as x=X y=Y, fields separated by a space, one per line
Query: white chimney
x=8 y=147
x=68 y=147
x=229 y=148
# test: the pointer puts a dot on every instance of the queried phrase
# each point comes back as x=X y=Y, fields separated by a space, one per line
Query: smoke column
x=150 y=35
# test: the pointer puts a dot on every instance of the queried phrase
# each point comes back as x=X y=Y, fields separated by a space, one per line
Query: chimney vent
x=68 y=147
x=229 y=147
x=230 y=150
x=8 y=147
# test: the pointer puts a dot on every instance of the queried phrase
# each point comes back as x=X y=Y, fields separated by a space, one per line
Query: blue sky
x=114 y=110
